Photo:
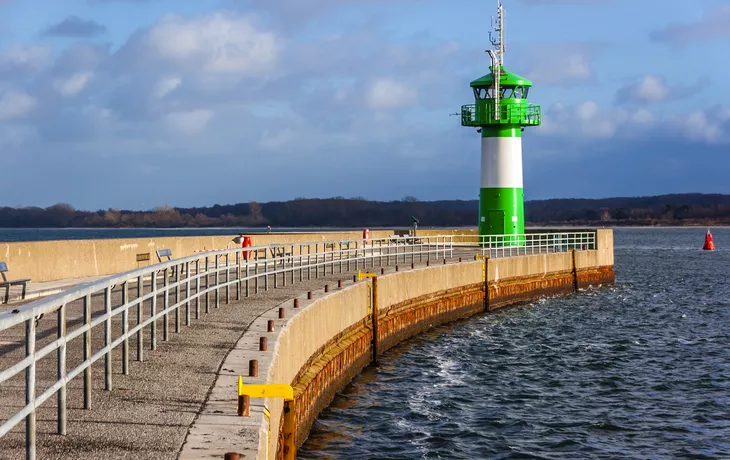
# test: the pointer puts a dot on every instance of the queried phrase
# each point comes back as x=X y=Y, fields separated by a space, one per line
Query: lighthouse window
x=482 y=93
x=506 y=93
x=518 y=93
x=524 y=92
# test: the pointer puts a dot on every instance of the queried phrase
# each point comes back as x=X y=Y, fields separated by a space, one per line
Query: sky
x=135 y=104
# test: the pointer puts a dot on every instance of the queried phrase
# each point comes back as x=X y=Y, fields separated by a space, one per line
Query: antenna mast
x=497 y=55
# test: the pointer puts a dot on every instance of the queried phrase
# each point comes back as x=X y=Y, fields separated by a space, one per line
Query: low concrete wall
x=329 y=342
x=56 y=260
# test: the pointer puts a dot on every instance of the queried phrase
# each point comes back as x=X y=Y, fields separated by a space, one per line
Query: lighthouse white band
x=501 y=162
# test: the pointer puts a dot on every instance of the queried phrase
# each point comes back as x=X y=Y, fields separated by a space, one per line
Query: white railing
x=535 y=243
x=151 y=294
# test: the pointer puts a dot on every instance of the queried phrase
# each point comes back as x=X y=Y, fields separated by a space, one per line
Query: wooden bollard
x=282 y=313
x=253 y=368
x=428 y=263
x=309 y=295
x=382 y=271
x=396 y=268
x=354 y=278
x=339 y=284
x=296 y=303
x=413 y=265
x=262 y=344
x=326 y=288
x=232 y=456
x=271 y=326
x=444 y=261
x=459 y=259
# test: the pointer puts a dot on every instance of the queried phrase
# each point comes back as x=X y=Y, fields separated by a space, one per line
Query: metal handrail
x=246 y=270
x=486 y=113
x=536 y=243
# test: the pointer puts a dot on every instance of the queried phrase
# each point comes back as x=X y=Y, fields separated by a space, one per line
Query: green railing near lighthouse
x=485 y=113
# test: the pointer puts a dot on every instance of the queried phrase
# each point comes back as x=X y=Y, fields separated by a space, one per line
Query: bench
x=8 y=283
x=161 y=253
x=164 y=253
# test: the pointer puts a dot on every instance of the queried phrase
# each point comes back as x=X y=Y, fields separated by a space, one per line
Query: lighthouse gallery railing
x=486 y=114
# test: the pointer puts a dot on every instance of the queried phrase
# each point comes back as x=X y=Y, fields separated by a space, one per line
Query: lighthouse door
x=496 y=222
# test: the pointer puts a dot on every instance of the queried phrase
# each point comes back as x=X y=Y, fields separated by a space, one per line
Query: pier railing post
x=108 y=339
x=125 y=329
x=61 y=370
x=140 y=291
x=87 y=352
x=30 y=389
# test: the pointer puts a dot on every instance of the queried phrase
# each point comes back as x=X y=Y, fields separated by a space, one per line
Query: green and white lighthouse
x=500 y=113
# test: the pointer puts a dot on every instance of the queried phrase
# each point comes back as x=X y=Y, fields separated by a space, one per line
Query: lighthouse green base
x=501 y=211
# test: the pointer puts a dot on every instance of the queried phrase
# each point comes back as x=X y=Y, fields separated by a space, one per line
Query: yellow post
x=266 y=390
x=290 y=427
x=290 y=419
x=361 y=275
x=375 y=318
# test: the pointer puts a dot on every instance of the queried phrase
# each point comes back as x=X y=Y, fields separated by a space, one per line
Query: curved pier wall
x=328 y=343
x=319 y=351
x=56 y=260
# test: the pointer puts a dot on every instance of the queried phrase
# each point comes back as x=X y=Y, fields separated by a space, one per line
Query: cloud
x=561 y=64
x=16 y=105
x=217 y=43
x=714 y=25
x=566 y=2
x=73 y=84
x=648 y=89
x=651 y=89
x=711 y=126
x=166 y=85
x=18 y=61
x=75 y=27
x=190 y=122
x=385 y=93
x=294 y=13
x=589 y=120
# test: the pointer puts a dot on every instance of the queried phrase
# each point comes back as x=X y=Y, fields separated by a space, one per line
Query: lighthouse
x=500 y=113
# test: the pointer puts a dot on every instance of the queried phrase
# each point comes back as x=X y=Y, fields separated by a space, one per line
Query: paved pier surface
x=148 y=413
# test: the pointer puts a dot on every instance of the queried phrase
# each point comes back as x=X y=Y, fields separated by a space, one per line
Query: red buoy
x=709 y=245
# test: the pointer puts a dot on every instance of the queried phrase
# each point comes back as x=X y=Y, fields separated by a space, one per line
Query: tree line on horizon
x=682 y=209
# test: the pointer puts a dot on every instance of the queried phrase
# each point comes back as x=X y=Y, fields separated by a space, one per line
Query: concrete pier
x=180 y=400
